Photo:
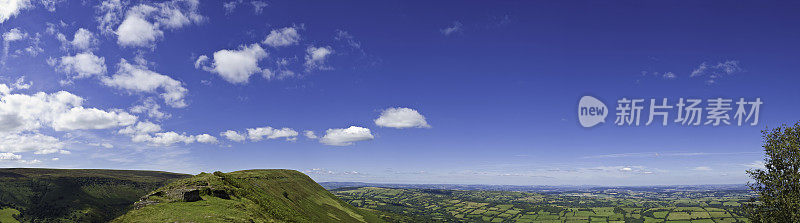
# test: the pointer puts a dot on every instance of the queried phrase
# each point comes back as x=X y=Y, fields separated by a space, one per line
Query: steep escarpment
x=75 y=195
x=244 y=196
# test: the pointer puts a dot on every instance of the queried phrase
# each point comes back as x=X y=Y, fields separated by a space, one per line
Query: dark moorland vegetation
x=91 y=195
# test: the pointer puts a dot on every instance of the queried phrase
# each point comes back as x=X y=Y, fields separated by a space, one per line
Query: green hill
x=245 y=196
x=56 y=195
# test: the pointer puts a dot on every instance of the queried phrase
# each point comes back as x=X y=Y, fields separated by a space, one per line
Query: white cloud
x=9 y=36
x=10 y=8
x=109 y=14
x=233 y=136
x=717 y=71
x=10 y=156
x=236 y=66
x=91 y=118
x=82 y=40
x=34 y=161
x=136 y=31
x=457 y=27
x=165 y=138
x=20 y=84
x=141 y=128
x=346 y=137
x=316 y=56
x=55 y=159
x=104 y=145
x=14 y=35
x=50 y=5
x=257 y=134
x=138 y=78
x=30 y=142
x=258 y=6
x=282 y=37
x=83 y=65
x=200 y=62
x=230 y=6
x=149 y=132
x=702 y=168
x=669 y=76
x=61 y=111
x=151 y=108
x=144 y=23
x=310 y=134
x=756 y=165
x=206 y=138
x=626 y=169
x=401 y=118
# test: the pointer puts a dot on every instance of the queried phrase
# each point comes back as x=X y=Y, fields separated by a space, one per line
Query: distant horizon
x=464 y=184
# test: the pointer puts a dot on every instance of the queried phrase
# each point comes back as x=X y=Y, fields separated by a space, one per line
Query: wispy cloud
x=663 y=154
x=457 y=27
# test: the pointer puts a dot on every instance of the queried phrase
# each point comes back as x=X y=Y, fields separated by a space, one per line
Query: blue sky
x=394 y=92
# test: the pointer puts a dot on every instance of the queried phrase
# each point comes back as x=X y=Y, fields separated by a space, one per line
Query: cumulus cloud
x=151 y=108
x=141 y=128
x=165 y=138
x=83 y=40
x=401 y=118
x=10 y=156
x=23 y=116
x=457 y=27
x=206 y=138
x=61 y=111
x=10 y=8
x=19 y=84
x=136 y=78
x=143 y=24
x=310 y=134
x=257 y=134
x=316 y=56
x=150 y=133
x=91 y=118
x=282 y=37
x=235 y=66
x=347 y=136
x=30 y=142
x=233 y=136
x=81 y=65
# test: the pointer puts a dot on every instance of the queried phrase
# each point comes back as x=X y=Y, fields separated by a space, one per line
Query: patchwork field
x=426 y=205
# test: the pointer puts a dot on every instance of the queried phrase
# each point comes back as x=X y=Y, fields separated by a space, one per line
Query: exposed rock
x=221 y=194
x=192 y=196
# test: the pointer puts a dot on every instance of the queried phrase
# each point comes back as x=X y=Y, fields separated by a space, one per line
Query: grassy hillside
x=245 y=196
x=56 y=195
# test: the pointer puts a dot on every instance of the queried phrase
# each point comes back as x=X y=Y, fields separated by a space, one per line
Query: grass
x=255 y=196
x=7 y=215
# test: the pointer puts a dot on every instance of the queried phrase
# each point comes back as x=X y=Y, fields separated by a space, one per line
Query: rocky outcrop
x=191 y=196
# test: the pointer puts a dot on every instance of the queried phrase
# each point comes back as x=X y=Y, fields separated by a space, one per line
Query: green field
x=427 y=205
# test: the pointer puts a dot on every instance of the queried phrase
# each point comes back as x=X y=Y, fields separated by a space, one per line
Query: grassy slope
x=56 y=195
x=255 y=196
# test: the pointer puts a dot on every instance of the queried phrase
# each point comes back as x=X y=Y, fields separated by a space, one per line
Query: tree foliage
x=778 y=183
